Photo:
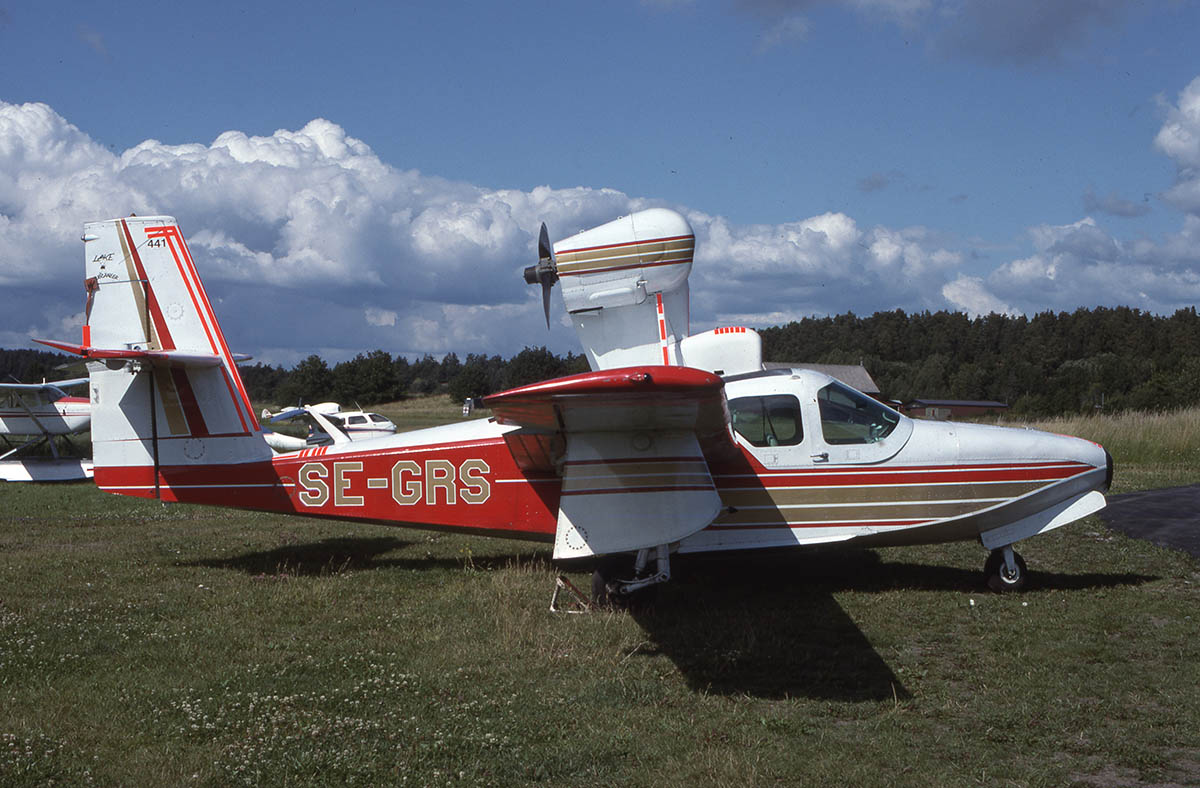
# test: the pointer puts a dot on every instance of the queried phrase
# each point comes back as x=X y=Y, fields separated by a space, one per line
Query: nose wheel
x=1005 y=570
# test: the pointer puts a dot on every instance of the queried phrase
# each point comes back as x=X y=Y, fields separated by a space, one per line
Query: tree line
x=376 y=377
x=368 y=378
x=1051 y=363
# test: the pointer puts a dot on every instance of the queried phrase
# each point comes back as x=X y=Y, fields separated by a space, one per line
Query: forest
x=1050 y=364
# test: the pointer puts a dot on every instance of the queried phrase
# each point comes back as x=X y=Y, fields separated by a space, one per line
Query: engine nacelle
x=626 y=261
x=625 y=285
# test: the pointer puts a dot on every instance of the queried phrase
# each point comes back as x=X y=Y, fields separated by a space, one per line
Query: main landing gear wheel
x=606 y=579
x=602 y=578
x=1000 y=576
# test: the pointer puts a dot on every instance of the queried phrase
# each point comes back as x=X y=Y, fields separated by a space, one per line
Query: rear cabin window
x=848 y=416
x=767 y=421
x=357 y=420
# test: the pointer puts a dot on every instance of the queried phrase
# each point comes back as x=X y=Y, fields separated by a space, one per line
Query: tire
x=614 y=568
x=997 y=575
x=608 y=570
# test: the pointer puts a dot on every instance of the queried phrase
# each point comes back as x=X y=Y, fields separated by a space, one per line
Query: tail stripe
x=208 y=321
x=191 y=266
x=168 y=394
x=167 y=234
x=191 y=408
x=210 y=315
x=161 y=332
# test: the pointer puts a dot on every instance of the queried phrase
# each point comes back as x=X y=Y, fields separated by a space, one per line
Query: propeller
x=545 y=272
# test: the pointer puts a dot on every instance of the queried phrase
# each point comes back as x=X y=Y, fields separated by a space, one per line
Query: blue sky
x=833 y=156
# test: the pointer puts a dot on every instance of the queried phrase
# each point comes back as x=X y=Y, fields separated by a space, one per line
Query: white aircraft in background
x=331 y=425
x=674 y=443
x=39 y=413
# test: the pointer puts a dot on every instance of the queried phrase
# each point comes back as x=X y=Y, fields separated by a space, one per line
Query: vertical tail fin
x=168 y=404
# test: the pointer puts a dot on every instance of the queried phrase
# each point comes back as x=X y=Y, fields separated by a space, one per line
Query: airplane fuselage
x=815 y=474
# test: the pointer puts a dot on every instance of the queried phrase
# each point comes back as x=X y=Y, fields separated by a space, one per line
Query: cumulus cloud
x=308 y=242
x=1082 y=264
x=304 y=222
x=822 y=265
x=969 y=294
x=1179 y=139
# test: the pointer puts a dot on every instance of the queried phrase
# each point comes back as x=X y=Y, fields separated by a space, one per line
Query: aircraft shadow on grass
x=339 y=554
x=771 y=627
x=765 y=626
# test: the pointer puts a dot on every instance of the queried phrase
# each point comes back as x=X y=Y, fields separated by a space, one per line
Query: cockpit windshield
x=848 y=416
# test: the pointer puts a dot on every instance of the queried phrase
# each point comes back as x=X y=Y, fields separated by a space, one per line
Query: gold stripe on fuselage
x=785 y=496
x=840 y=514
x=634 y=475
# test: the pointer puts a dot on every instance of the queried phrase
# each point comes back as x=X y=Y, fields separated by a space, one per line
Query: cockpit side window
x=848 y=416
x=767 y=421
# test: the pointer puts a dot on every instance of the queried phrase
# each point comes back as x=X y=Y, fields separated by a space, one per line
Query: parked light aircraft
x=674 y=443
x=331 y=424
x=41 y=412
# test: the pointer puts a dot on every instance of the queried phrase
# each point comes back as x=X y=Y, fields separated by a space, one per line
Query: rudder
x=168 y=404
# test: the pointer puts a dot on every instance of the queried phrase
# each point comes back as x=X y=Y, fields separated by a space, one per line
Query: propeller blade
x=545 y=250
x=546 y=301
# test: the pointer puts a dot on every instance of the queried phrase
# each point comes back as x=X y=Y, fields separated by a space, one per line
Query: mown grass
x=143 y=644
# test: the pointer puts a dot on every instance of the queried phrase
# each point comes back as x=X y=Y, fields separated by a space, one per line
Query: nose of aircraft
x=986 y=443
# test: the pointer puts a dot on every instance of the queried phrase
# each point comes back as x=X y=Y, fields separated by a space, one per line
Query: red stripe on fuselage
x=516 y=504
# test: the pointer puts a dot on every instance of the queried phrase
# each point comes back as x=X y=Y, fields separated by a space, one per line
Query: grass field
x=143 y=644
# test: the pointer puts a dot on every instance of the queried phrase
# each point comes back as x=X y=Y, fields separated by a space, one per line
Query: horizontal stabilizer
x=175 y=358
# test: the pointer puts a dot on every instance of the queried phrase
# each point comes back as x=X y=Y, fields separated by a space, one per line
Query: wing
x=54 y=386
x=632 y=446
x=287 y=414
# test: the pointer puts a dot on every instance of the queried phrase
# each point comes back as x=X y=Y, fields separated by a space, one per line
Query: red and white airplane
x=675 y=443
x=39 y=413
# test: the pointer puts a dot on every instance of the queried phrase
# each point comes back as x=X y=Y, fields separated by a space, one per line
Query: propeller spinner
x=545 y=272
